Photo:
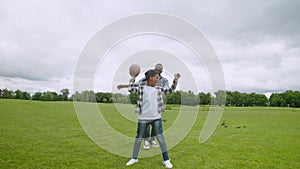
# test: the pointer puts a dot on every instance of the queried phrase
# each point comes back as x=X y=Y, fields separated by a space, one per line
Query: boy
x=162 y=82
x=149 y=107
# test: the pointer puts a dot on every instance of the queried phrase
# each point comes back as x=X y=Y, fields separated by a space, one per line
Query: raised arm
x=121 y=86
x=140 y=82
x=168 y=90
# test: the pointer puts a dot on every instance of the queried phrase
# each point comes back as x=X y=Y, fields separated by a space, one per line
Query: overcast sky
x=256 y=41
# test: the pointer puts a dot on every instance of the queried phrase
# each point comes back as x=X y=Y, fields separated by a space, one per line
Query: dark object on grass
x=244 y=126
x=238 y=127
x=225 y=126
x=223 y=123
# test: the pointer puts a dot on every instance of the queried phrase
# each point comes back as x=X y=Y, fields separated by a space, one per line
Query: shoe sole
x=131 y=164
x=146 y=148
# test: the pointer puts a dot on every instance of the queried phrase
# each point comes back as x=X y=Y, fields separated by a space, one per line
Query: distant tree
x=88 y=96
x=18 y=94
x=37 y=96
x=189 y=98
x=245 y=99
x=133 y=98
x=220 y=97
x=102 y=97
x=205 y=99
x=237 y=99
x=261 y=100
x=76 y=96
x=25 y=96
x=55 y=96
x=7 y=94
x=170 y=98
x=290 y=98
x=174 y=98
x=228 y=98
x=119 y=98
x=50 y=96
x=277 y=100
x=287 y=99
x=22 y=95
x=297 y=100
x=65 y=94
x=47 y=96
x=250 y=99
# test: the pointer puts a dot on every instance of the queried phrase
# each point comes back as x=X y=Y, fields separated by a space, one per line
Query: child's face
x=153 y=80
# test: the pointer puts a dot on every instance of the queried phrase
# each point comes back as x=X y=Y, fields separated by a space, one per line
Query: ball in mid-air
x=134 y=70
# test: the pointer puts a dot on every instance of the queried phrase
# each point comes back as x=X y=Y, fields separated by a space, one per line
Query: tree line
x=288 y=98
x=41 y=96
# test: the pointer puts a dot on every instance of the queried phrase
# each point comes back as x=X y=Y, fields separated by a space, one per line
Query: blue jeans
x=147 y=134
x=157 y=133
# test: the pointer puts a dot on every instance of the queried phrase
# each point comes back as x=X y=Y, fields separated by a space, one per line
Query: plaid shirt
x=160 y=90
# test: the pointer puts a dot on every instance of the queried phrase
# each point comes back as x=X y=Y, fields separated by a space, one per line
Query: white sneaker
x=146 y=145
x=154 y=144
x=132 y=161
x=167 y=164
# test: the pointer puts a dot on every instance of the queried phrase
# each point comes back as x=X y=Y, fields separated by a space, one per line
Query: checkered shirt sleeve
x=139 y=91
x=165 y=90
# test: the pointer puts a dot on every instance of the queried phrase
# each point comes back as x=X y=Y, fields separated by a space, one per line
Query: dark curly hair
x=150 y=73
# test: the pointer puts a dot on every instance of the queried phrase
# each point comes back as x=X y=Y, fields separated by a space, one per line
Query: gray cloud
x=257 y=41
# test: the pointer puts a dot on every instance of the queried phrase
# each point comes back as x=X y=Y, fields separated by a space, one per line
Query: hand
x=177 y=76
x=121 y=86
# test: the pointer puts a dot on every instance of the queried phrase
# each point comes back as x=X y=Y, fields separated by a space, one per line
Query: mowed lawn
x=48 y=135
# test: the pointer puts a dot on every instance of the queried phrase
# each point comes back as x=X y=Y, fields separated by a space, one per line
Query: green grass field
x=48 y=135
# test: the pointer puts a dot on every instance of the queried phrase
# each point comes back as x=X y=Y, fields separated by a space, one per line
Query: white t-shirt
x=149 y=104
